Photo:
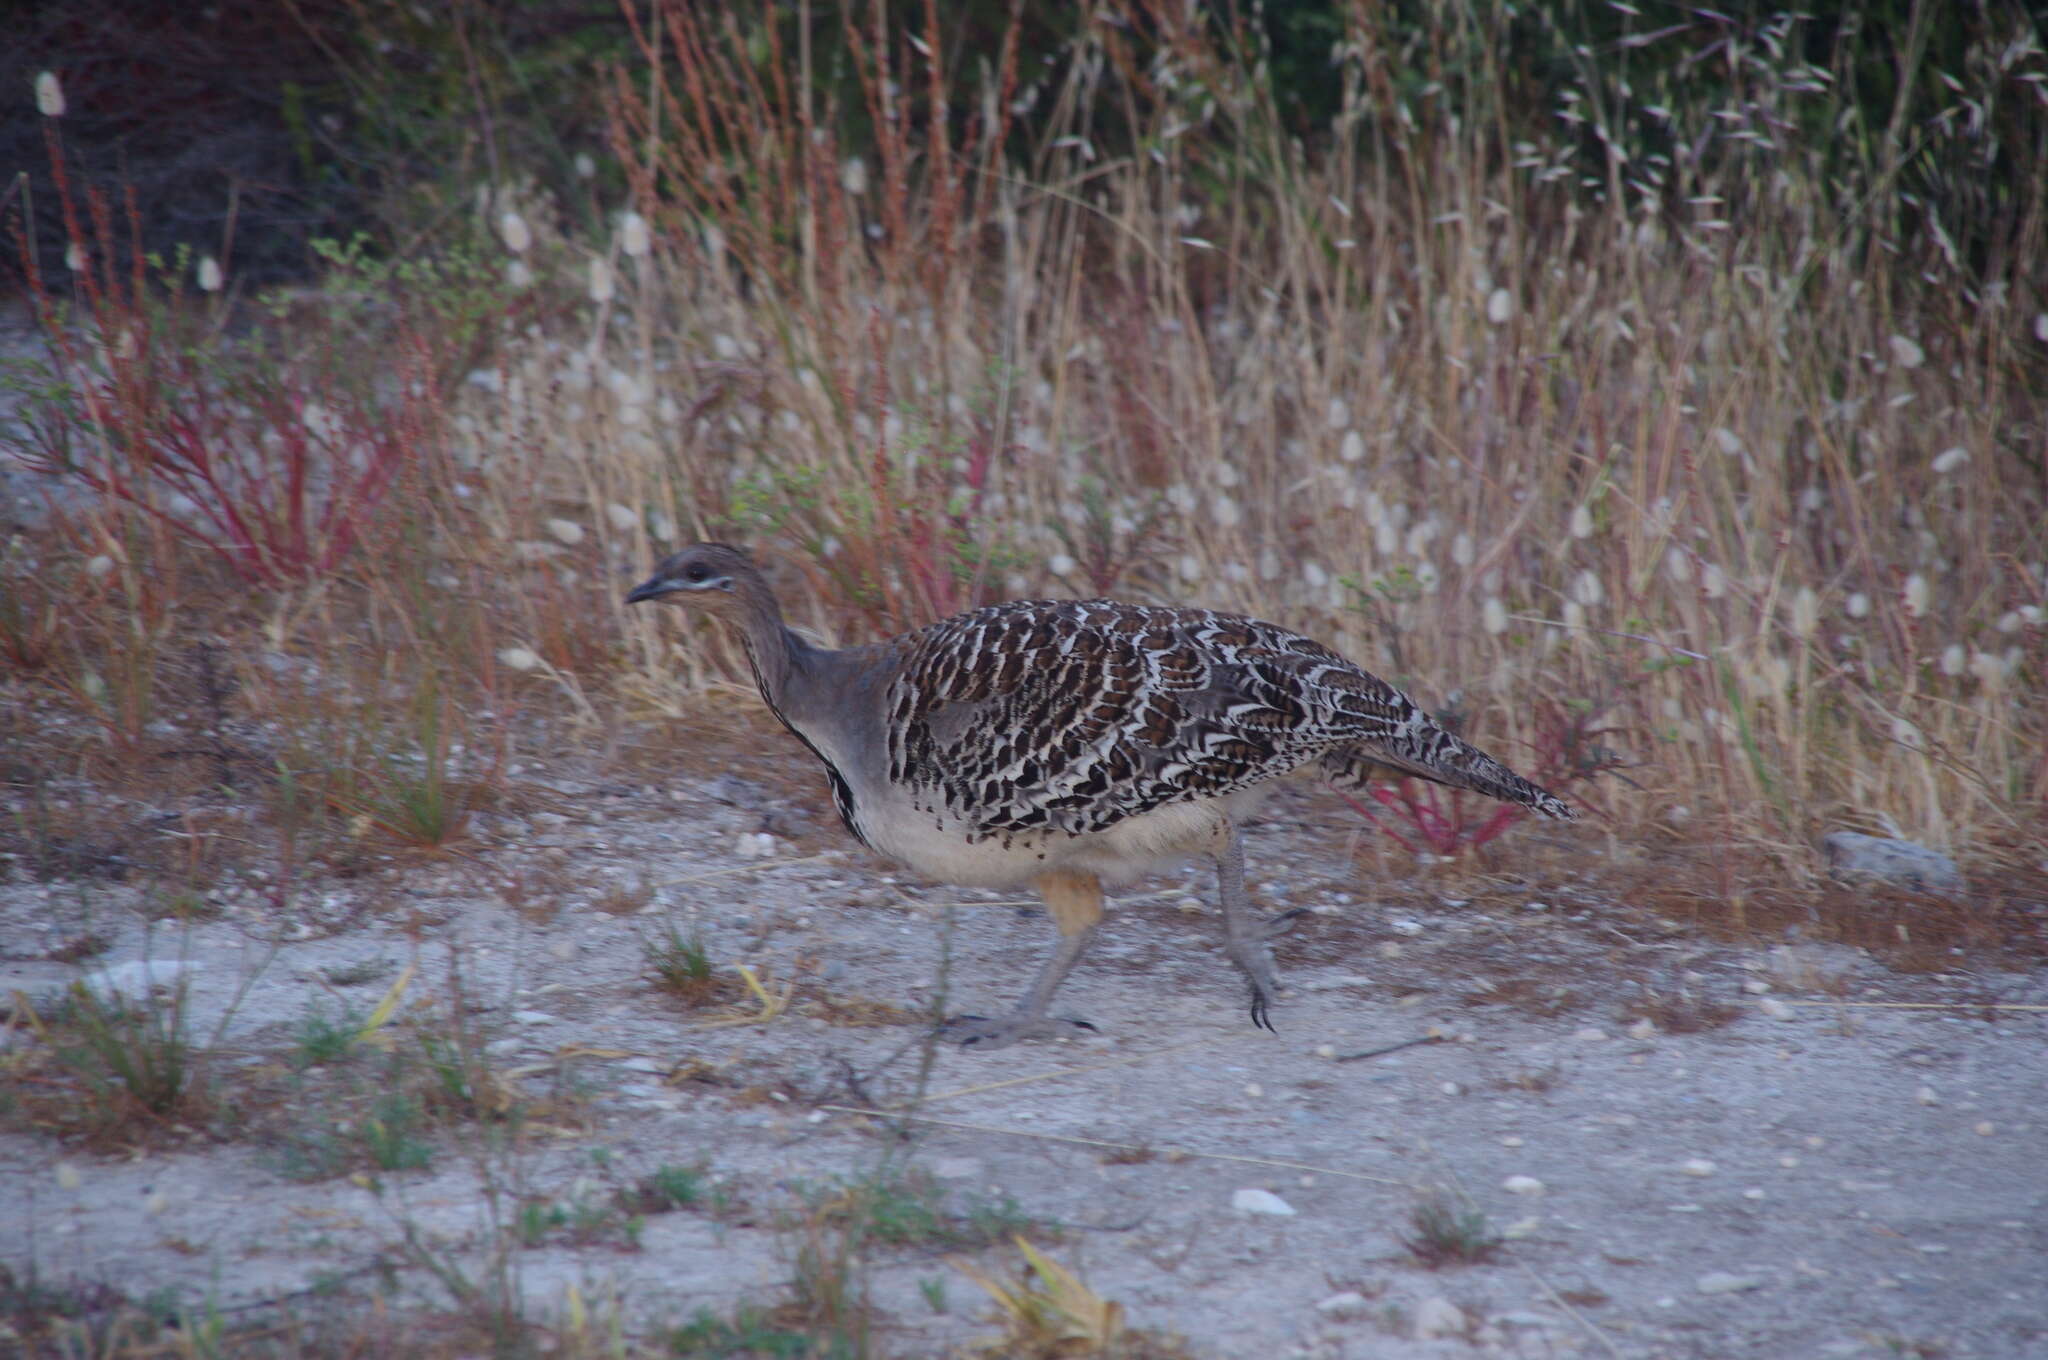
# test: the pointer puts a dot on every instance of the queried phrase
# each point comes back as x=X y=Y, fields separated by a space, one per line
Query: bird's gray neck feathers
x=785 y=666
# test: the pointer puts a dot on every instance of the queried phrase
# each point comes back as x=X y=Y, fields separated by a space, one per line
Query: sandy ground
x=1816 y=1177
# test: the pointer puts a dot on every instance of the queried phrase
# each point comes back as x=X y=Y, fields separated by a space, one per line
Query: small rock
x=533 y=1017
x=1925 y=1095
x=1756 y=986
x=1349 y=1304
x=1437 y=1316
x=1721 y=1282
x=957 y=1168
x=1521 y=1228
x=1406 y=926
x=1590 y=1035
x=1902 y=864
x=1697 y=1166
x=1986 y=1128
x=1645 y=1028
x=637 y=1064
x=1523 y=1185
x=1774 y=1009
x=68 y=1177
x=1511 y=1140
x=1252 y=1200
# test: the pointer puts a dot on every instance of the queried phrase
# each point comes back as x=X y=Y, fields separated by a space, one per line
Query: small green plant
x=133 y=1057
x=911 y=1209
x=393 y=1135
x=682 y=968
x=663 y=1189
x=1445 y=1235
x=750 y=1334
x=322 y=1040
x=933 y=1290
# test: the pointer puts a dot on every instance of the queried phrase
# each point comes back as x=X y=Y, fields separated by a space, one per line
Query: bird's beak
x=653 y=588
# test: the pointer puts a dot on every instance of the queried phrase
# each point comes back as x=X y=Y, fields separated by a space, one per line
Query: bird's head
x=709 y=576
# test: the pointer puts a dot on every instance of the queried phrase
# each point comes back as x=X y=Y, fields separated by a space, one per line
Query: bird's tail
x=1429 y=752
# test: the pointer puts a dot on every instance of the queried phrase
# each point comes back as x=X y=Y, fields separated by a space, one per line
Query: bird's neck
x=782 y=661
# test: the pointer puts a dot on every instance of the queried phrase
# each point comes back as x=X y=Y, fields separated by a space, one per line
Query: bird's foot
x=1265 y=995
x=980 y=1032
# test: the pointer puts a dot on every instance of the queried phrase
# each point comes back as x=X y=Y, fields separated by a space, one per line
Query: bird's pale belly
x=940 y=848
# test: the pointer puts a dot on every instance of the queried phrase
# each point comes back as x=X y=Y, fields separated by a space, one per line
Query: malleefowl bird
x=1070 y=744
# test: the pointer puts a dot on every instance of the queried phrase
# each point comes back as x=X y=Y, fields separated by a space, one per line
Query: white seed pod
x=1952 y=659
x=1500 y=306
x=517 y=275
x=1916 y=594
x=513 y=231
x=853 y=176
x=518 y=658
x=622 y=517
x=1805 y=612
x=566 y=531
x=1906 y=352
x=1582 y=521
x=1463 y=549
x=74 y=258
x=99 y=566
x=1987 y=669
x=1574 y=616
x=1713 y=581
x=1950 y=460
x=1224 y=511
x=1493 y=616
x=1059 y=564
x=1313 y=576
x=1857 y=606
x=49 y=95
x=1677 y=564
x=1339 y=414
x=634 y=239
x=1586 y=588
x=1906 y=734
x=1727 y=440
x=1351 y=447
x=209 y=274
x=600 y=280
x=586 y=168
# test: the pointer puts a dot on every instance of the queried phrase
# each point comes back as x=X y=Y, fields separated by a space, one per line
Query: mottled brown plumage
x=1068 y=743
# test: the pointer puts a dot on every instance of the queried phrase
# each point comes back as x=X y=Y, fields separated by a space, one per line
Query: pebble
x=1774 y=1009
x=1521 y=1228
x=1437 y=1316
x=1697 y=1166
x=533 y=1017
x=1986 y=1128
x=1645 y=1028
x=957 y=1168
x=1523 y=1185
x=1252 y=1200
x=1721 y=1282
x=1349 y=1304
x=1590 y=1035
x=1925 y=1095
x=1512 y=1140
x=1406 y=926
x=1756 y=987
x=637 y=1064
x=67 y=1176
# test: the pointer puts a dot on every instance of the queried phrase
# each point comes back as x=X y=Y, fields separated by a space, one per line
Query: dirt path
x=1805 y=1179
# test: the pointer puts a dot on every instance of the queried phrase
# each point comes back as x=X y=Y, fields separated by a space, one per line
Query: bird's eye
x=696 y=571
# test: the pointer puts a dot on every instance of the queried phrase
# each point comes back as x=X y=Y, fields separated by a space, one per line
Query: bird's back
x=1040 y=716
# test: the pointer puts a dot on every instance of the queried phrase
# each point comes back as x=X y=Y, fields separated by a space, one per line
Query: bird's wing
x=1072 y=716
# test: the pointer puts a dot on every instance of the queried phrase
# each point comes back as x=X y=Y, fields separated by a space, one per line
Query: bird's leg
x=1075 y=901
x=1245 y=940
